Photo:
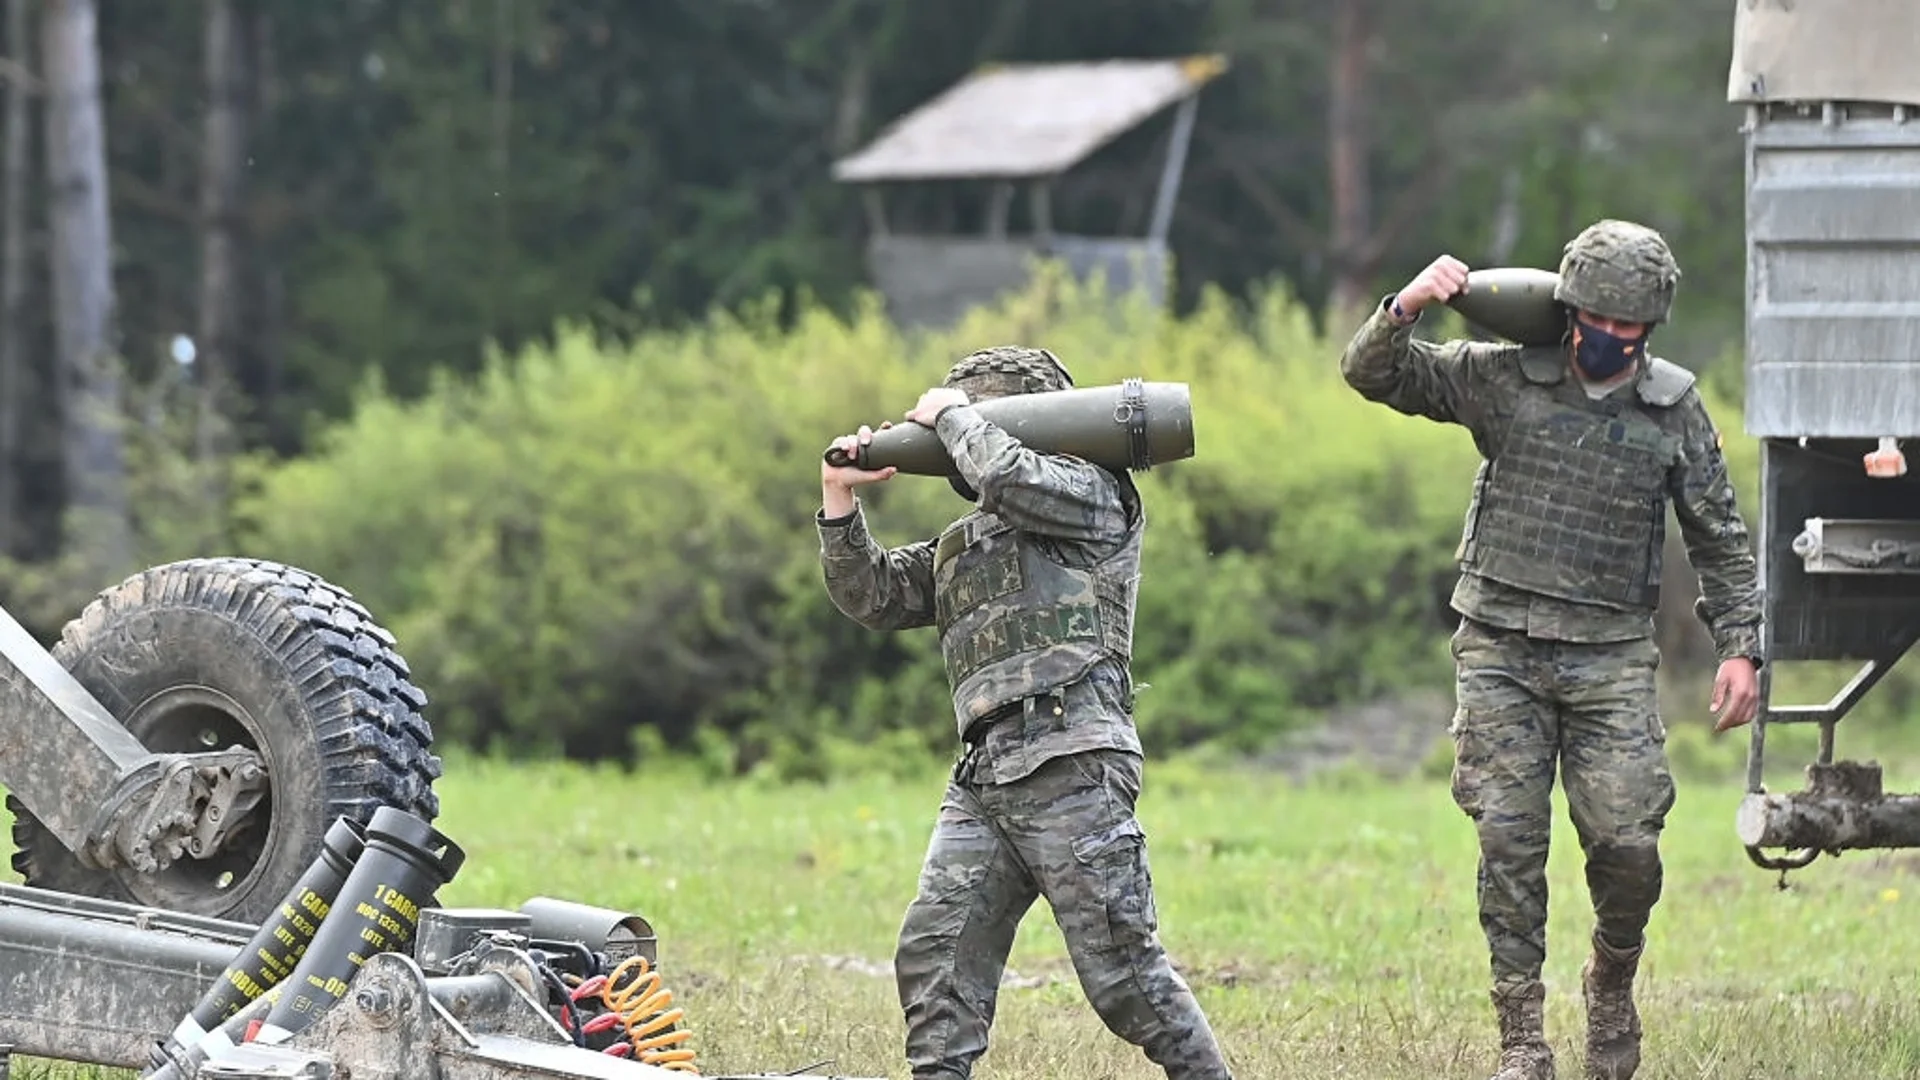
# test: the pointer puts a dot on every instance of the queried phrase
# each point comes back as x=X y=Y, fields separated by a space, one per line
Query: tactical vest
x=1572 y=500
x=1014 y=622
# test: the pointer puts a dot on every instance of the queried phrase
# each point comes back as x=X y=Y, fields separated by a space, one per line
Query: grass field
x=1328 y=928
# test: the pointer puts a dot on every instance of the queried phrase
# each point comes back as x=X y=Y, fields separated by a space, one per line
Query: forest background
x=526 y=320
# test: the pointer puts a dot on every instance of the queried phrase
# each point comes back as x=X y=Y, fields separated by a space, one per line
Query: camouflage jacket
x=1077 y=506
x=1476 y=384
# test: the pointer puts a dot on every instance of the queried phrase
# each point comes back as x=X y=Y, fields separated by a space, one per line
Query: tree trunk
x=263 y=319
x=1505 y=235
x=1348 y=131
x=501 y=145
x=13 y=270
x=223 y=167
x=83 y=296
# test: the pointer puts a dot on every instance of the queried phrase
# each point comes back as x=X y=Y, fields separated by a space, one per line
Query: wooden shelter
x=1016 y=124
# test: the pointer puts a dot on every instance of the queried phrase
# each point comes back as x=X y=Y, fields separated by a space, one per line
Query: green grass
x=1327 y=928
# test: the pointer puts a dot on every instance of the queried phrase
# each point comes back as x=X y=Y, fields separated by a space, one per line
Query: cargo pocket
x=1115 y=861
x=1117 y=773
x=1471 y=757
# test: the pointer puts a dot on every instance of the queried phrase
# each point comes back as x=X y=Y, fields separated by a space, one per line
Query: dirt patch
x=1052 y=972
x=1878 y=865
x=1724 y=884
x=1244 y=973
x=873 y=969
x=1391 y=736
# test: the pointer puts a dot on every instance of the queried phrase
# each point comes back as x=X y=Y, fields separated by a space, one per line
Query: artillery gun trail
x=221 y=778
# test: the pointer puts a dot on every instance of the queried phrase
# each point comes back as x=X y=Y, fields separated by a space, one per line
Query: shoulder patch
x=1545 y=364
x=1665 y=382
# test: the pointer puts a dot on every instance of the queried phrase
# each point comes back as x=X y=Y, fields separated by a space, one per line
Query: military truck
x=1831 y=94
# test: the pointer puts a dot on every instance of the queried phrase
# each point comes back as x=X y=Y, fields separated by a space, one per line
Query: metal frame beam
x=1172 y=169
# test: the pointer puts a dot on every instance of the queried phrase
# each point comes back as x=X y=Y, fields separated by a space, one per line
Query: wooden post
x=1842 y=809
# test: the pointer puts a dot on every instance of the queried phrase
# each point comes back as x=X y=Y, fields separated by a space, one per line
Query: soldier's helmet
x=1007 y=369
x=1621 y=270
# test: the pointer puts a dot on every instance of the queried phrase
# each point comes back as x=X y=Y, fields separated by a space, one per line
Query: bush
x=593 y=549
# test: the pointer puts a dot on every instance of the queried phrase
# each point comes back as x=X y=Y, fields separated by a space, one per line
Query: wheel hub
x=193 y=719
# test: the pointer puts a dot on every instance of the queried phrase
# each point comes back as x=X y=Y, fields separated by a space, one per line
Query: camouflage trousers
x=1066 y=832
x=1526 y=707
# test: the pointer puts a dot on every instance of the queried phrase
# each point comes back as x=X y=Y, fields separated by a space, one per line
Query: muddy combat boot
x=1613 y=1025
x=1524 y=1054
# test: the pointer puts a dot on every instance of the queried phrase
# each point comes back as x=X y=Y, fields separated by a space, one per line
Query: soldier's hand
x=846 y=477
x=1443 y=277
x=1736 y=694
x=927 y=409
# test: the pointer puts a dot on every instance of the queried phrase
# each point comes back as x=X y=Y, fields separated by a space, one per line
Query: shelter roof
x=1025 y=120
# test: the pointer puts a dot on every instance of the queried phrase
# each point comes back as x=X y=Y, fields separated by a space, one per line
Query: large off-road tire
x=209 y=653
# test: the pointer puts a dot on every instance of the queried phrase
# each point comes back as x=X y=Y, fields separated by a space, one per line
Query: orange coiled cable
x=642 y=1003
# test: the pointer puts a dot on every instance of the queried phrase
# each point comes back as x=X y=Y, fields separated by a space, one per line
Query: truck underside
x=1832 y=392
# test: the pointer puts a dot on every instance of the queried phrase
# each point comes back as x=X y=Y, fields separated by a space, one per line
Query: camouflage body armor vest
x=1572 y=500
x=1014 y=622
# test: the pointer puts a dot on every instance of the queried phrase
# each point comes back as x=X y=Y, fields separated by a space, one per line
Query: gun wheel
x=212 y=653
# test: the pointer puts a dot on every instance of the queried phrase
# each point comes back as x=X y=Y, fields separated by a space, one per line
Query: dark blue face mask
x=1601 y=355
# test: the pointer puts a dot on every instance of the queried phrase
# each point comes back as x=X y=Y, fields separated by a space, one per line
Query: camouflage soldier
x=1033 y=597
x=1586 y=444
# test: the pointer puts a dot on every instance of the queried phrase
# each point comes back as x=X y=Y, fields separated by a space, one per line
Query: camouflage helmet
x=1007 y=369
x=1620 y=270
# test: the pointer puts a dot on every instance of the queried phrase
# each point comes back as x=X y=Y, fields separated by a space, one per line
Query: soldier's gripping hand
x=927 y=409
x=1443 y=277
x=838 y=481
x=1736 y=693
